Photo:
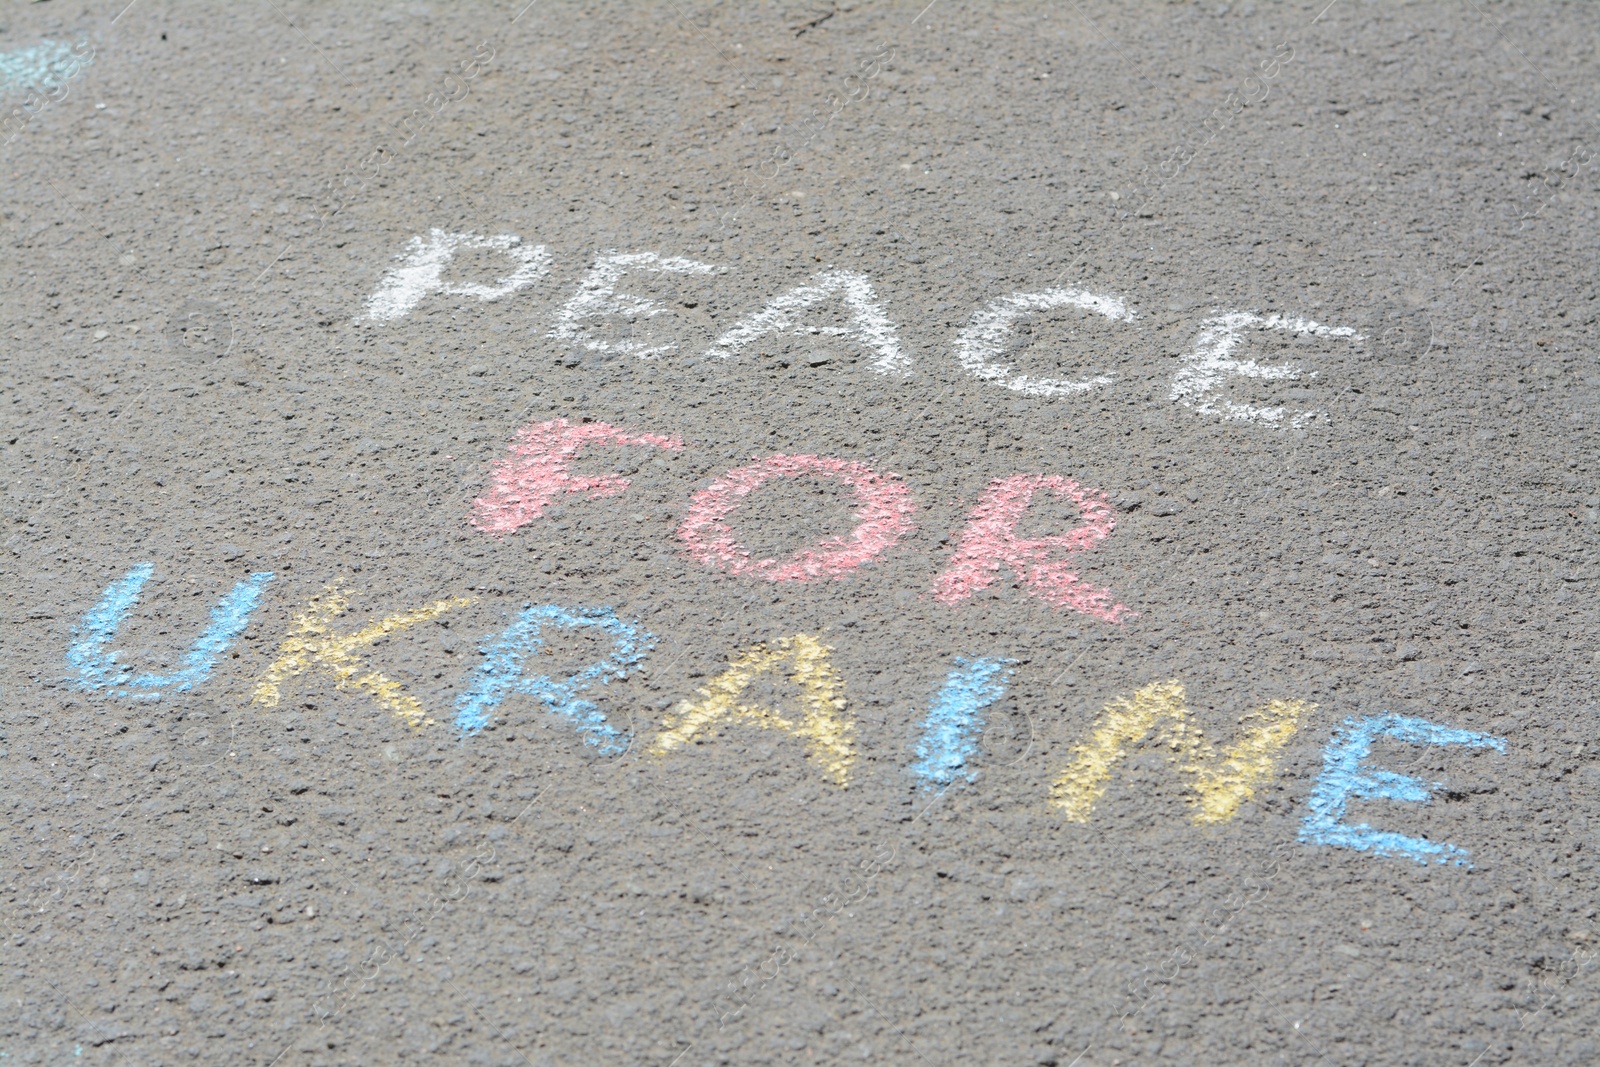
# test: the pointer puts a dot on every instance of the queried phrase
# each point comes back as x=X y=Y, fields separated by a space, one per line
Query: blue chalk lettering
x=98 y=669
x=955 y=722
x=43 y=66
x=501 y=673
x=1344 y=777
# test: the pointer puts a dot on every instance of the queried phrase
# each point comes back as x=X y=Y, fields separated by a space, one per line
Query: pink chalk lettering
x=883 y=517
x=990 y=539
x=537 y=471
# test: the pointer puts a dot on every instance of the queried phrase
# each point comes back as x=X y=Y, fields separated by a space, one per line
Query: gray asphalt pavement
x=704 y=533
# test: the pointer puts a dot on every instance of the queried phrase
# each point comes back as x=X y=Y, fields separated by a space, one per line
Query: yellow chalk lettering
x=1222 y=783
x=824 y=725
x=311 y=646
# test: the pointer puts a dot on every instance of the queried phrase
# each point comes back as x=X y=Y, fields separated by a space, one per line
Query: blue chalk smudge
x=1343 y=777
x=501 y=673
x=955 y=722
x=41 y=66
x=98 y=669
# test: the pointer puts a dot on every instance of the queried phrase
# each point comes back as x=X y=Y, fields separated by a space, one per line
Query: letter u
x=98 y=669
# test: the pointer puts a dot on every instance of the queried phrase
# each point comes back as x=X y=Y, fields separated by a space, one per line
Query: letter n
x=1222 y=782
x=823 y=723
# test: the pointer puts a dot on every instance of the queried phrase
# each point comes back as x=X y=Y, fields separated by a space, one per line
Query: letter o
x=883 y=517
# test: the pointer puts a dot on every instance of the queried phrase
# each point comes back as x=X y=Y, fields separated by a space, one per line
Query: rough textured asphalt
x=197 y=212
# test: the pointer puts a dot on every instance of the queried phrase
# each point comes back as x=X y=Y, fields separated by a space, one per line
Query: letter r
x=990 y=540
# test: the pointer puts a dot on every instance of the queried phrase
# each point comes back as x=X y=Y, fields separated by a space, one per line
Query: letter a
x=825 y=726
x=99 y=669
x=1223 y=783
x=311 y=646
x=868 y=324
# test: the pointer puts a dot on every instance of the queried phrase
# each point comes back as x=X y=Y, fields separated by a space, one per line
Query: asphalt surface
x=309 y=861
